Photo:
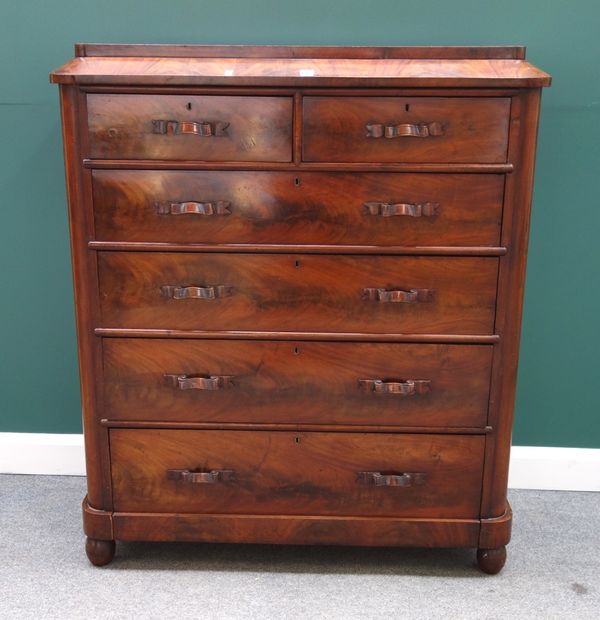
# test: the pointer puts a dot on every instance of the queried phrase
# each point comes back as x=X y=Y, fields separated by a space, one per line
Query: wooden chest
x=299 y=277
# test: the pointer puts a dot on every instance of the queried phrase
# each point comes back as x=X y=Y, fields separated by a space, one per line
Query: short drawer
x=297 y=208
x=406 y=129
x=190 y=127
x=281 y=292
x=247 y=472
x=223 y=381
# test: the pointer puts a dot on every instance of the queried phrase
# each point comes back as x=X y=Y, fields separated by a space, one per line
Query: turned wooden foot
x=491 y=561
x=99 y=552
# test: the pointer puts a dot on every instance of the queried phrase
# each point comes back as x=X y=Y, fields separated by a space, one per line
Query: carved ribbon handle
x=201 y=477
x=219 y=207
x=199 y=382
x=405 y=130
x=204 y=129
x=388 y=209
x=196 y=292
x=412 y=296
x=407 y=387
x=406 y=479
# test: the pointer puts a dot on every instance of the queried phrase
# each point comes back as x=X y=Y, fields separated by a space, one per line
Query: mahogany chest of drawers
x=298 y=279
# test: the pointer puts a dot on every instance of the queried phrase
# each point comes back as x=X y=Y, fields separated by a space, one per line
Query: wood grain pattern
x=296 y=473
x=299 y=277
x=297 y=208
x=304 y=72
x=511 y=288
x=297 y=530
x=296 y=382
x=280 y=292
x=475 y=130
x=259 y=128
x=85 y=289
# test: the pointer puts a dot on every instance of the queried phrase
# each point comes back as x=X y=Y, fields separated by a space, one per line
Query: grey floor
x=553 y=570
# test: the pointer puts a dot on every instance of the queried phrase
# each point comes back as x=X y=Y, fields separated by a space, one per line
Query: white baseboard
x=560 y=469
x=564 y=469
x=42 y=453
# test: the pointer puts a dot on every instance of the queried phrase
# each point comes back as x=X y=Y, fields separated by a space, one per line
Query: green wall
x=558 y=402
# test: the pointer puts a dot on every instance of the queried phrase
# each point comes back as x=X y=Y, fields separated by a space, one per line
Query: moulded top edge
x=300 y=72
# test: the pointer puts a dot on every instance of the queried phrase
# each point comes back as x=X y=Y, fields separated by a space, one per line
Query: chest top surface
x=301 y=66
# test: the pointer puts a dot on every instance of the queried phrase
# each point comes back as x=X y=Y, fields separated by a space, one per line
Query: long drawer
x=223 y=381
x=247 y=472
x=298 y=208
x=194 y=127
x=405 y=129
x=262 y=292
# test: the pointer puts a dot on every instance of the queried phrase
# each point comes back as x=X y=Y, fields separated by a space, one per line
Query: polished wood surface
x=302 y=72
x=166 y=164
x=297 y=530
x=99 y=552
x=296 y=473
x=298 y=51
x=299 y=276
x=289 y=248
x=335 y=129
x=272 y=529
x=306 y=208
x=511 y=288
x=136 y=332
x=297 y=293
x=256 y=128
x=491 y=561
x=297 y=382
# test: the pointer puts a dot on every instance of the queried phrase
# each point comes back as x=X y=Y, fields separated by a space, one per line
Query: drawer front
x=301 y=208
x=191 y=127
x=304 y=382
x=405 y=129
x=278 y=292
x=246 y=472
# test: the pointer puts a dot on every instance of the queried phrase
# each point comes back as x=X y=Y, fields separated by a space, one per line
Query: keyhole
x=296 y=263
x=407 y=107
x=189 y=106
x=297 y=439
x=296 y=351
x=297 y=182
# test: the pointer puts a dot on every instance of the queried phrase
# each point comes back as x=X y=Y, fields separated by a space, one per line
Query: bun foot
x=491 y=561
x=99 y=552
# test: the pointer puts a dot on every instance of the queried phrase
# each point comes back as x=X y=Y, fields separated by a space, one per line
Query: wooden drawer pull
x=199 y=382
x=405 y=130
x=376 y=478
x=201 y=477
x=389 y=209
x=407 y=387
x=196 y=292
x=412 y=296
x=203 y=129
x=219 y=207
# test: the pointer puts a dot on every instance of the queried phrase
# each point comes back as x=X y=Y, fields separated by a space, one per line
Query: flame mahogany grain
x=307 y=293
x=259 y=128
x=275 y=152
x=335 y=129
x=296 y=473
x=297 y=208
x=297 y=382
